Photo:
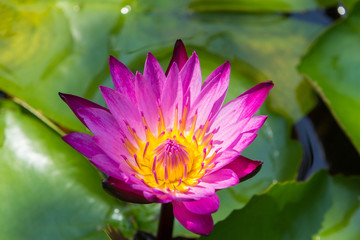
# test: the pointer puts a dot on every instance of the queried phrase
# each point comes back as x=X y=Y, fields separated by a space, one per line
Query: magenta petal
x=76 y=103
x=108 y=166
x=255 y=123
x=148 y=102
x=123 y=191
x=171 y=96
x=212 y=96
x=244 y=167
x=190 y=76
x=228 y=133
x=196 y=192
x=83 y=143
x=116 y=150
x=157 y=198
x=123 y=78
x=196 y=223
x=255 y=98
x=100 y=122
x=204 y=205
x=234 y=136
x=220 y=179
x=179 y=56
x=154 y=74
x=243 y=140
x=222 y=71
x=123 y=110
x=243 y=106
x=113 y=147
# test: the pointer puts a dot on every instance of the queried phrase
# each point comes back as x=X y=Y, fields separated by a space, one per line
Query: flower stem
x=39 y=115
x=166 y=222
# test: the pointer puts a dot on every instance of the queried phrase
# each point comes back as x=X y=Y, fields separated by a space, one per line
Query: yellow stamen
x=176 y=159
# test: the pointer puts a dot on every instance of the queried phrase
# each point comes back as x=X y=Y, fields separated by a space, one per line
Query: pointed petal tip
x=180 y=48
x=150 y=56
x=254 y=172
x=62 y=95
x=66 y=97
x=104 y=88
x=269 y=84
x=194 y=54
x=138 y=74
x=111 y=58
x=179 y=43
x=227 y=66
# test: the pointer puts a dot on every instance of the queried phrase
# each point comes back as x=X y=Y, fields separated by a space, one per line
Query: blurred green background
x=310 y=49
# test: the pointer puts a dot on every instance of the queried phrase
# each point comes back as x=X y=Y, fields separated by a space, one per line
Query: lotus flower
x=166 y=137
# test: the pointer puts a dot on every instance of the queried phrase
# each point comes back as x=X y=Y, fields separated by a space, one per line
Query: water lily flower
x=167 y=137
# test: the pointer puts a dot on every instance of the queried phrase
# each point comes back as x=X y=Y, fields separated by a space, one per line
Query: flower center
x=173 y=159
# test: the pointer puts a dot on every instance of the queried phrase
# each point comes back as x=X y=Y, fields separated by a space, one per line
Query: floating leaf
x=49 y=191
x=260 y=5
x=332 y=65
x=322 y=207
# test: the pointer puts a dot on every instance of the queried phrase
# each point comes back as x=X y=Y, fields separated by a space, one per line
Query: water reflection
x=23 y=147
x=117 y=215
x=341 y=10
x=125 y=10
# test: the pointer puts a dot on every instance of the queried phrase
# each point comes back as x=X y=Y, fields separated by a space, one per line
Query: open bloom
x=166 y=137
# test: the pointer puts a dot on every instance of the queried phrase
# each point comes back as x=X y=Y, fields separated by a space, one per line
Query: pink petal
x=113 y=147
x=216 y=74
x=179 y=56
x=242 y=142
x=256 y=97
x=124 y=111
x=204 y=205
x=172 y=96
x=108 y=166
x=243 y=106
x=123 y=78
x=255 y=123
x=154 y=74
x=212 y=96
x=195 y=192
x=230 y=135
x=244 y=167
x=196 y=223
x=147 y=102
x=233 y=151
x=223 y=158
x=124 y=191
x=220 y=179
x=190 y=76
x=83 y=143
x=100 y=122
x=157 y=198
x=75 y=103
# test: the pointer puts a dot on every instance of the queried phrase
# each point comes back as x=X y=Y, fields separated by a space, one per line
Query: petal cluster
x=167 y=137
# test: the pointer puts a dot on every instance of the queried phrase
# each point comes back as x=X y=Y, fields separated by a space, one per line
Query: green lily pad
x=49 y=191
x=332 y=65
x=260 y=5
x=324 y=207
x=63 y=46
x=55 y=46
x=269 y=43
